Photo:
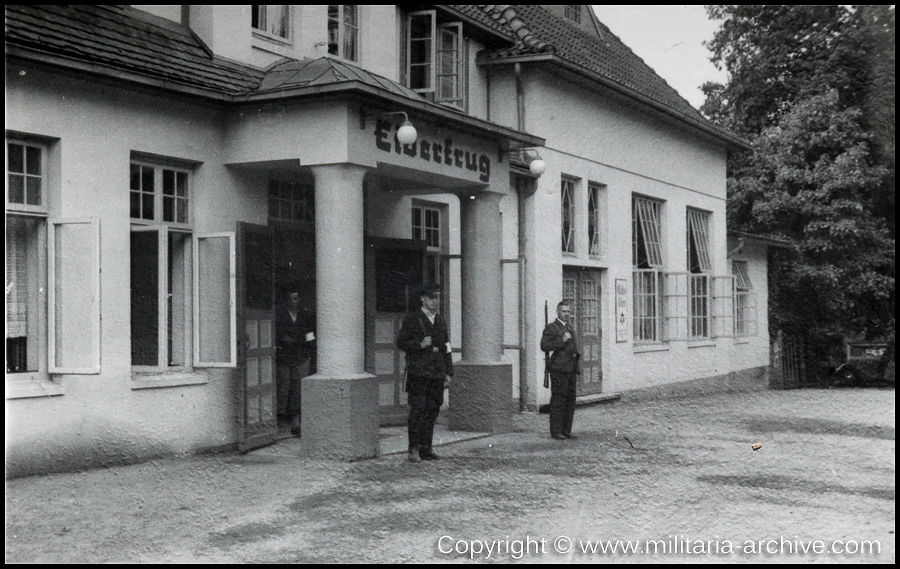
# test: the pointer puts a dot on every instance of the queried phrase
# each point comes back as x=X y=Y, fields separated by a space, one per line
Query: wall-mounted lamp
x=535 y=163
x=406 y=134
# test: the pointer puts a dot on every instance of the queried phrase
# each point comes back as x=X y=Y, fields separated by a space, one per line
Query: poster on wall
x=621 y=308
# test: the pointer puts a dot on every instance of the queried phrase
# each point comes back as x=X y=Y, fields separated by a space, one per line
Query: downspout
x=520 y=97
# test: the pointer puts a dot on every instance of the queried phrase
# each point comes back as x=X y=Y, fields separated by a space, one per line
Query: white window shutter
x=73 y=298
x=215 y=300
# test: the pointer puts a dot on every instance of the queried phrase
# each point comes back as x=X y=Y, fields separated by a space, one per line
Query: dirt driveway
x=673 y=480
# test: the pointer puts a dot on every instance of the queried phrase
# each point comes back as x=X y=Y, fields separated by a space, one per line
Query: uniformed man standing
x=564 y=365
x=429 y=366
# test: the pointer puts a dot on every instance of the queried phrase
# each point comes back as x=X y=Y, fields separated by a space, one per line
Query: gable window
x=272 y=20
x=699 y=266
x=744 y=311
x=647 y=263
x=343 y=31
x=567 y=196
x=161 y=258
x=436 y=56
x=574 y=13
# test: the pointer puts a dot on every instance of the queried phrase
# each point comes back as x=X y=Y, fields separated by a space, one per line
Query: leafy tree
x=811 y=88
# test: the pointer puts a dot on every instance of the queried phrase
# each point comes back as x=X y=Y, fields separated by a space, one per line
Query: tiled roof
x=325 y=71
x=112 y=36
x=482 y=16
x=538 y=31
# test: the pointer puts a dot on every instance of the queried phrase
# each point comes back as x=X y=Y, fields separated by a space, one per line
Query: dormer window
x=343 y=31
x=272 y=21
x=436 y=58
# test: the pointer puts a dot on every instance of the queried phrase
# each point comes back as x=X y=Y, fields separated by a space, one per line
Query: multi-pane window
x=272 y=20
x=436 y=58
x=699 y=265
x=647 y=263
x=24 y=174
x=594 y=220
x=25 y=253
x=574 y=13
x=567 y=197
x=291 y=200
x=450 y=67
x=744 y=311
x=161 y=257
x=343 y=31
x=426 y=225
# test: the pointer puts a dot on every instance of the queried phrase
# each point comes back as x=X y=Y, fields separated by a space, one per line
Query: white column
x=482 y=278
x=340 y=285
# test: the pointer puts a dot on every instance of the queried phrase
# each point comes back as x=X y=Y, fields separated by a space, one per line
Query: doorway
x=294 y=260
x=581 y=288
x=394 y=273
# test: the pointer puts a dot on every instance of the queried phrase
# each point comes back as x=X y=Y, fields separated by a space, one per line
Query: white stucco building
x=173 y=170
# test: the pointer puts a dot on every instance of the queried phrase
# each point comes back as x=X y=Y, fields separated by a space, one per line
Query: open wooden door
x=394 y=273
x=581 y=287
x=256 y=323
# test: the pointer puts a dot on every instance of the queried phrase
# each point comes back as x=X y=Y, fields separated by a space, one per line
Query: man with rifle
x=563 y=367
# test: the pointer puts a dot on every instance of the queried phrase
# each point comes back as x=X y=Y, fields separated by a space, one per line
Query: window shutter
x=73 y=311
x=215 y=300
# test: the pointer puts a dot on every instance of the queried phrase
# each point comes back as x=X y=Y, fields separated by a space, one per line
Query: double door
x=581 y=288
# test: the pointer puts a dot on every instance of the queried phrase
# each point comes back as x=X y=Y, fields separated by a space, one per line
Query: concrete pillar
x=339 y=409
x=481 y=391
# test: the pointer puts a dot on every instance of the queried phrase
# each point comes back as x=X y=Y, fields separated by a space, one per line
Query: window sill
x=30 y=387
x=741 y=341
x=702 y=344
x=644 y=348
x=271 y=38
x=141 y=380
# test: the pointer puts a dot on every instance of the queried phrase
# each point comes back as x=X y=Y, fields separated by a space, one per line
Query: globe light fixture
x=537 y=166
x=407 y=134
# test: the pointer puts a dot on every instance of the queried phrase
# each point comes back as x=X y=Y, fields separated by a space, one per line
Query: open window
x=436 y=58
x=647 y=262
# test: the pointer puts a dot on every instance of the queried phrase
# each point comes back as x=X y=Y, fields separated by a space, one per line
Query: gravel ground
x=675 y=479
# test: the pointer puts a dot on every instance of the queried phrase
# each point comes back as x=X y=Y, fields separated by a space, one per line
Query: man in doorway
x=564 y=365
x=425 y=339
x=295 y=350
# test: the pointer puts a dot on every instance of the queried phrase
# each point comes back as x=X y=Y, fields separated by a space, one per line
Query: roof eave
x=72 y=64
x=773 y=242
x=727 y=138
x=464 y=122
x=422 y=107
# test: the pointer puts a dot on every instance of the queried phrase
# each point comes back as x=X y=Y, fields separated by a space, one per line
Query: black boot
x=425 y=453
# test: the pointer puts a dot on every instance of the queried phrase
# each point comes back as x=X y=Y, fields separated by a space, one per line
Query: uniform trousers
x=288 y=384
x=562 y=401
x=426 y=395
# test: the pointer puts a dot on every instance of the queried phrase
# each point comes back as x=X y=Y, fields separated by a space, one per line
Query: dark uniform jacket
x=291 y=344
x=434 y=361
x=565 y=353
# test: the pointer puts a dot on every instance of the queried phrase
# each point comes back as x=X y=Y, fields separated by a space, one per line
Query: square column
x=481 y=391
x=339 y=409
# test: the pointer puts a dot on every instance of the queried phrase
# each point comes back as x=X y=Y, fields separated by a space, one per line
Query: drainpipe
x=520 y=97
